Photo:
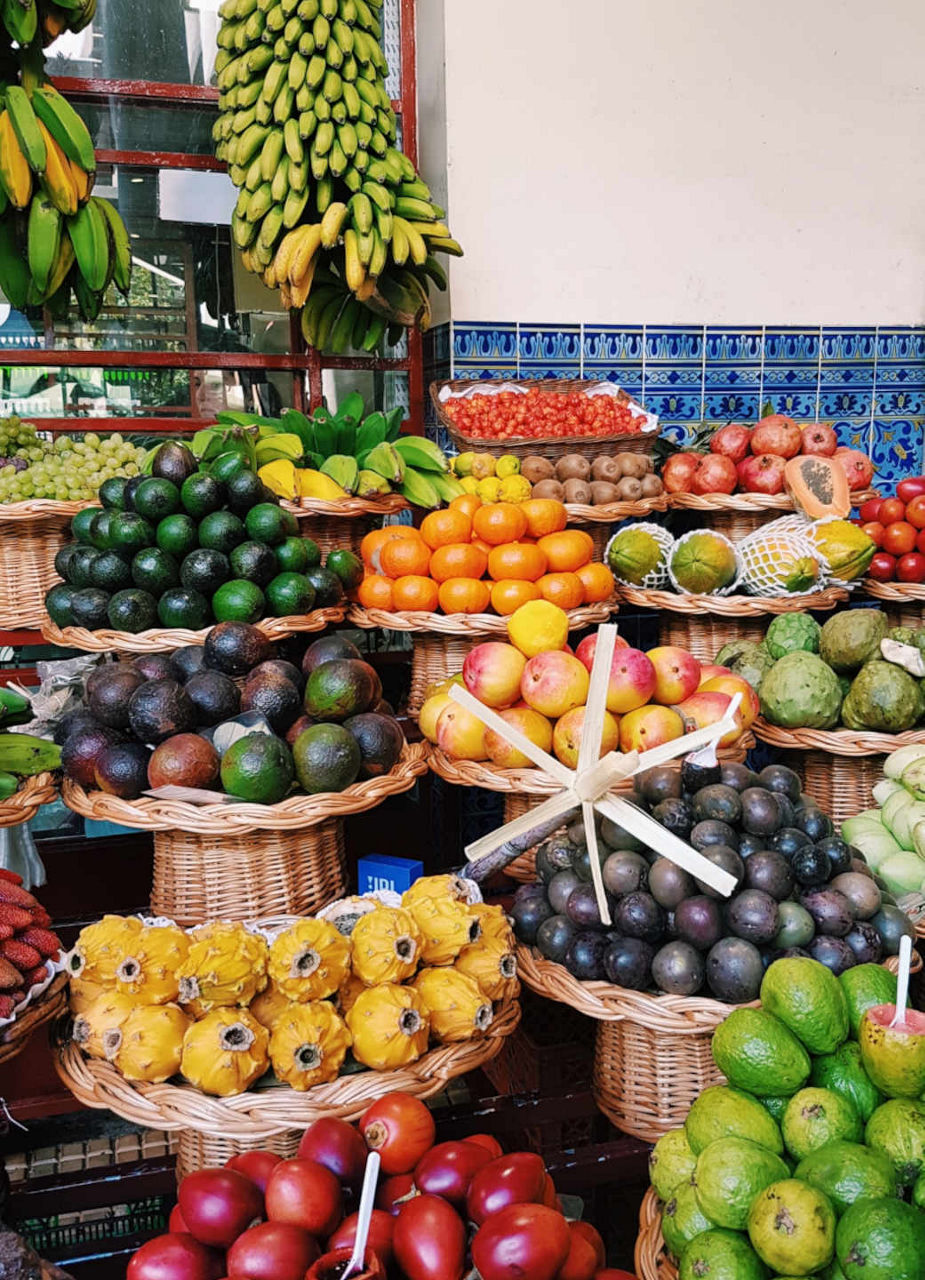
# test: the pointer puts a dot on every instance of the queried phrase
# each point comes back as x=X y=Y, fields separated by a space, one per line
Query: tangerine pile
x=471 y=557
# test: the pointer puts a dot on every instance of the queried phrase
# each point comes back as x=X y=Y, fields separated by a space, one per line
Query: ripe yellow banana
x=15 y=174
x=307 y=248
x=58 y=179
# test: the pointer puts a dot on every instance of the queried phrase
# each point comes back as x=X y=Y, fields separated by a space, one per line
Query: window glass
x=135 y=126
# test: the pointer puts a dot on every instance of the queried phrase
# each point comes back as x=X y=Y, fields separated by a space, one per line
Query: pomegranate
x=714 y=473
x=732 y=441
x=764 y=474
x=857 y=466
x=777 y=434
x=819 y=439
x=678 y=472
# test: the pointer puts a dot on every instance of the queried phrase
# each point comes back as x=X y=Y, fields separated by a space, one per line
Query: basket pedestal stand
x=203 y=1151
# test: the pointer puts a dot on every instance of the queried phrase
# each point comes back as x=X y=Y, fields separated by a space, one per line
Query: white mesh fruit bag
x=638 y=555
x=704 y=563
x=780 y=560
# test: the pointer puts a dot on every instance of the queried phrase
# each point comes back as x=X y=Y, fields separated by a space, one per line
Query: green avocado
x=327 y=758
x=847 y=1171
x=809 y=1000
x=258 y=768
x=756 y=1052
x=342 y=688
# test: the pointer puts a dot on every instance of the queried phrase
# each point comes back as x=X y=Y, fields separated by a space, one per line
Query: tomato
x=305 y=1194
x=913 y=487
x=256 y=1165
x=448 y=1168
x=430 y=1240
x=488 y=1142
x=272 y=1251
x=392 y=1190
x=522 y=1242
x=882 y=567
x=175 y=1222
x=891 y=511
x=175 y=1257
x=331 y=1266
x=898 y=538
x=875 y=531
x=381 y=1231
x=400 y=1128
x=870 y=510
x=337 y=1145
x=519 y=1178
x=218 y=1204
x=915 y=512
x=911 y=567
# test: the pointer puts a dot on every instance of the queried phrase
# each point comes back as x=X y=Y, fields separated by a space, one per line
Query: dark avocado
x=71 y=722
x=89 y=607
x=82 y=748
x=274 y=696
x=175 y=462
x=108 y=702
x=132 y=610
x=214 y=695
x=327 y=758
x=186 y=661
x=329 y=590
x=717 y=803
x=205 y=571
x=738 y=776
x=254 y=562
x=159 y=709
x=327 y=649
x=340 y=689
x=110 y=572
x=63 y=559
x=154 y=666
x=59 y=604
x=81 y=564
x=380 y=741
x=777 y=777
x=122 y=769
x=235 y=648
x=155 y=570
x=245 y=490
x=288 y=670
x=185 y=760
x=184 y=607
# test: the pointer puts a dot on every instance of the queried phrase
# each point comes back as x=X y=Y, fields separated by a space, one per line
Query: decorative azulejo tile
x=908 y=403
x=531 y=369
x=844 y=403
x=896 y=448
x=732 y=377
x=795 y=404
x=550 y=344
x=905 y=345
x=733 y=346
x=485 y=343
x=674 y=343
x=791 y=345
x=731 y=406
x=853 y=433
x=664 y=375
x=895 y=376
x=848 y=344
x=611 y=344
x=678 y=407
x=475 y=370
x=676 y=431
x=627 y=376
x=792 y=377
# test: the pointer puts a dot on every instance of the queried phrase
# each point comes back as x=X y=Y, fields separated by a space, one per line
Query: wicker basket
x=50 y=1004
x=165 y=639
x=554 y=448
x=902 y=602
x=840 y=785
x=206 y=1151
x=248 y=876
x=600 y=520
x=706 y=635
x=651 y=1258
x=25 y=803
x=441 y=640
x=263 y=1113
x=837 y=742
x=31 y=535
x=346 y=523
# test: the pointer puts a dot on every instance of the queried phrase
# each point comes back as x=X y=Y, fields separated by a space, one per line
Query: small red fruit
x=522 y=1240
x=875 y=531
x=777 y=434
x=920 y=541
x=764 y=474
x=678 y=472
x=448 y=1168
x=337 y=1145
x=400 y=1128
x=891 y=510
x=218 y=1204
x=485 y=1139
x=430 y=1240
x=175 y=1257
x=915 y=512
x=819 y=439
x=391 y=1190
x=731 y=441
x=870 y=510
x=882 y=567
x=913 y=487
x=381 y=1231
x=911 y=567
x=715 y=473
x=256 y=1165
x=272 y=1251
x=304 y=1194
x=519 y=1178
x=898 y=538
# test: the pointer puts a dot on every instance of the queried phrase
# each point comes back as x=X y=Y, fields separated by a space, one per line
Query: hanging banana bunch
x=330 y=212
x=55 y=235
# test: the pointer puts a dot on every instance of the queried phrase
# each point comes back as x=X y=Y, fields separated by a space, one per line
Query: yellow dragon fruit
x=390 y=1027
x=494 y=925
x=457 y=1008
x=149 y=972
x=97 y=1029
x=492 y=965
x=344 y=913
x=308 y=1044
x=309 y=961
x=347 y=994
x=151 y=1042
x=443 y=886
x=225 y=1052
x=268 y=1006
x=226 y=965
x=101 y=948
x=386 y=946
x=81 y=994
x=446 y=924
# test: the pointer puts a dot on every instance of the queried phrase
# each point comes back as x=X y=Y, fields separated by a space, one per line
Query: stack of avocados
x=183 y=548
x=181 y=719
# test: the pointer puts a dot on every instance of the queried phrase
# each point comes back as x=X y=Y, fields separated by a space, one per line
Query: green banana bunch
x=25 y=756
x=331 y=211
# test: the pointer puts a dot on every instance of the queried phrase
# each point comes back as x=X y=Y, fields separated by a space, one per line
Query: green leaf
x=768 y=409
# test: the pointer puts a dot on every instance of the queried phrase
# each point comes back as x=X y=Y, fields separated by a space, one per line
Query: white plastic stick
x=549 y=764
x=560 y=803
x=596 y=707
x=902 y=982
x=365 y=1215
x=597 y=879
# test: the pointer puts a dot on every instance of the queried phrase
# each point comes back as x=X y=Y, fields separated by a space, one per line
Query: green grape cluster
x=67 y=469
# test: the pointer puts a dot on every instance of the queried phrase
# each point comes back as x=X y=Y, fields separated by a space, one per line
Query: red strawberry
x=35 y=976
x=45 y=942
x=10 y=977
x=20 y=953
x=15 y=916
x=14 y=893
x=7 y=1005
x=10 y=875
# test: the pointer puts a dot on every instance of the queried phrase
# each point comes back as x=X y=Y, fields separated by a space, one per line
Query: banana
x=309 y=242
x=261 y=203
x=270 y=155
x=332 y=223
x=44 y=240
x=281 y=445
x=22 y=21
x=315 y=484
x=342 y=330
x=279 y=187
x=321 y=30
x=308 y=122
x=324 y=138
x=317 y=69
x=337 y=161
x=419 y=490
x=333 y=55
x=22 y=754
x=14 y=272
x=327 y=318
x=253 y=178
x=15 y=174
x=306 y=46
x=401 y=246
x=26 y=127
x=385 y=462
x=421 y=453
x=452 y=247
x=294 y=205
x=374 y=333
x=121 y=245
x=298 y=178
x=415 y=190
x=369 y=483
x=284 y=254
x=89 y=234
x=361 y=213
x=282 y=107
x=435 y=271
x=292 y=34
x=273 y=81
x=378 y=195
x=324 y=194
x=447 y=486
x=292 y=141
x=302 y=287
x=354 y=271
x=333 y=87
x=343 y=470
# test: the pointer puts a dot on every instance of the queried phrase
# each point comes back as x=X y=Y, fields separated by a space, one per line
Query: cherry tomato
x=911 y=567
x=519 y=1178
x=331 y=1266
x=898 y=538
x=175 y=1222
x=891 y=511
x=915 y=512
x=392 y=1190
x=305 y=1194
x=448 y=1168
x=522 y=1242
x=488 y=1142
x=913 y=487
x=882 y=567
x=875 y=531
x=218 y=1204
x=381 y=1231
x=337 y=1145
x=870 y=510
x=272 y=1251
x=256 y=1165
x=175 y=1257
x=430 y=1240
x=400 y=1128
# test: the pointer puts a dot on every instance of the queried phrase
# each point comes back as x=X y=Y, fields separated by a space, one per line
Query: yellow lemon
x=469 y=484
x=483 y=466
x=489 y=489
x=506 y=466
x=538 y=627
x=462 y=463
x=516 y=489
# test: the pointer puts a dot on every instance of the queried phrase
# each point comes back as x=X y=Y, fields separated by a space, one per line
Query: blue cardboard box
x=381 y=872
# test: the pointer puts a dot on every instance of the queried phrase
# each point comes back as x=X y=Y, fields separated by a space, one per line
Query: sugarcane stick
x=484 y=868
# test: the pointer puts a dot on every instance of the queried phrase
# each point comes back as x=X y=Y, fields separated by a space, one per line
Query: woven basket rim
x=25 y=803
x=42 y=508
x=610 y=512
x=750 y=503
x=162 y=639
x=465 y=624
x=50 y=1004
x=258 y=1114
x=839 y=742
x=239 y=818
x=735 y=606
x=894 y=592
x=651 y=1257
x=350 y=508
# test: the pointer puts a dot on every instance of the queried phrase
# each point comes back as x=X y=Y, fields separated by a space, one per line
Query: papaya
x=818 y=486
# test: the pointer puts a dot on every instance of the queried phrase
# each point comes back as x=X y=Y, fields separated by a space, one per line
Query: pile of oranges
x=472 y=558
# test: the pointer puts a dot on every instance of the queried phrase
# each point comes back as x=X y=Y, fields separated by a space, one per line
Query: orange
x=597 y=581
x=415 y=593
x=510 y=593
x=517 y=560
x=464 y=595
x=499 y=522
x=468 y=502
x=544 y=515
x=441 y=528
x=375 y=592
x=458 y=560
x=568 y=550
x=402 y=556
x=564 y=589
x=376 y=540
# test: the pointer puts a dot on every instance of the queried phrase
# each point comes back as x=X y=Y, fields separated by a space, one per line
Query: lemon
x=538 y=627
x=489 y=489
x=483 y=466
x=462 y=463
x=506 y=466
x=469 y=484
x=515 y=489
